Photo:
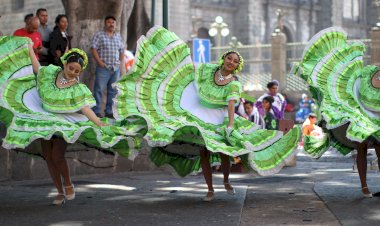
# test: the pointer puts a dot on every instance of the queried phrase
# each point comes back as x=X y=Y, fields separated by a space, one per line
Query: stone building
x=252 y=21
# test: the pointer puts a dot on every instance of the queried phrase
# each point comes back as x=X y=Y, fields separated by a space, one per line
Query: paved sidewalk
x=312 y=193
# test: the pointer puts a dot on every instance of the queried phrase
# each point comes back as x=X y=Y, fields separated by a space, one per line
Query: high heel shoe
x=72 y=195
x=366 y=195
x=208 y=198
x=230 y=190
x=59 y=200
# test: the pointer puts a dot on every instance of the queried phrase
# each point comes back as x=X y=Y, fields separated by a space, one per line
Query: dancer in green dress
x=43 y=102
x=348 y=94
x=183 y=106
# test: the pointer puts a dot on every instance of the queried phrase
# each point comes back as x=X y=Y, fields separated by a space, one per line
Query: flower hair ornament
x=75 y=51
x=241 y=60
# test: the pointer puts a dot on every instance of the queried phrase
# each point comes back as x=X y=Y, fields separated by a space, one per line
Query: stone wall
x=12 y=20
x=27 y=164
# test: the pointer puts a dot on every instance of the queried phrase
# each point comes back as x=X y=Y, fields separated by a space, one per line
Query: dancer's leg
x=59 y=149
x=226 y=166
x=206 y=168
x=361 y=161
x=47 y=151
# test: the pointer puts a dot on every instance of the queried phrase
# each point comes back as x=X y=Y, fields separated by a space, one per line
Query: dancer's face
x=231 y=62
x=313 y=120
x=72 y=70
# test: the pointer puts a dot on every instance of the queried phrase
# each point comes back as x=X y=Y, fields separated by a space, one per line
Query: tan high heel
x=208 y=198
x=230 y=191
x=72 y=195
x=59 y=200
x=368 y=195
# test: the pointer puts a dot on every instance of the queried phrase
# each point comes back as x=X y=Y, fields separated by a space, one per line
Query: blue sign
x=201 y=50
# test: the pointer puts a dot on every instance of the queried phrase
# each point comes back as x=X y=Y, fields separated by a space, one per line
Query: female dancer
x=183 y=106
x=42 y=102
x=348 y=94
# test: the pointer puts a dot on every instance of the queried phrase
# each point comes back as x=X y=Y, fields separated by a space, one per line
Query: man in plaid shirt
x=108 y=50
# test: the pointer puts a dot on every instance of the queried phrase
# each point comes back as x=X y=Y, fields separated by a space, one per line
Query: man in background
x=108 y=50
x=31 y=31
x=44 y=31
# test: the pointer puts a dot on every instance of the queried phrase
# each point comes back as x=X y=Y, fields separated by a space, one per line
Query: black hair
x=40 y=10
x=109 y=17
x=75 y=57
x=59 y=17
x=312 y=115
x=249 y=102
x=271 y=84
x=28 y=16
x=270 y=99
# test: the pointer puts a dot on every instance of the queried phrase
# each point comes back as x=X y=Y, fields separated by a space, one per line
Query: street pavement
x=324 y=192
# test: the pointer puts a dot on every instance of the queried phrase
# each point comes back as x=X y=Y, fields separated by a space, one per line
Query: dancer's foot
x=59 y=200
x=70 y=192
x=209 y=197
x=366 y=192
x=230 y=190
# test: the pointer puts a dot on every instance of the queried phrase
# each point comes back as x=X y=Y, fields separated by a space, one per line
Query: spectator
x=59 y=39
x=45 y=31
x=253 y=114
x=108 y=50
x=270 y=121
x=310 y=129
x=279 y=104
x=129 y=60
x=305 y=108
x=31 y=31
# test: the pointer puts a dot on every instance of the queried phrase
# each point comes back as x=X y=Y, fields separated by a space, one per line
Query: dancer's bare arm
x=35 y=63
x=89 y=113
x=231 y=112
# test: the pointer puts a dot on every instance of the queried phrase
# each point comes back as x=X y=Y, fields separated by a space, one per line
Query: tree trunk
x=87 y=17
x=138 y=24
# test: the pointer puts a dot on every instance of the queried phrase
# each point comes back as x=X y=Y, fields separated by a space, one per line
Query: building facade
x=251 y=22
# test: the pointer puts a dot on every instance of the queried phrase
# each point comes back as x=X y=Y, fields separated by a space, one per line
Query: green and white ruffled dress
x=341 y=84
x=33 y=107
x=181 y=106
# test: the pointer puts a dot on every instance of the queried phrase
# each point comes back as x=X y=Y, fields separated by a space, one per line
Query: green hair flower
x=241 y=60
x=78 y=51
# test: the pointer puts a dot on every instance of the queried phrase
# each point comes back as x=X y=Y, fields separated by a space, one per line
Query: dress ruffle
x=162 y=89
x=21 y=109
x=340 y=84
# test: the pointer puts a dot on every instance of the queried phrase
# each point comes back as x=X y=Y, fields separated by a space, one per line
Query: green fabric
x=332 y=67
x=369 y=95
x=25 y=125
x=153 y=89
x=211 y=94
x=61 y=100
x=316 y=146
x=270 y=121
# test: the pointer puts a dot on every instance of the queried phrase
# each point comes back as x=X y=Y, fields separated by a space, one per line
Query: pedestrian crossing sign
x=201 y=50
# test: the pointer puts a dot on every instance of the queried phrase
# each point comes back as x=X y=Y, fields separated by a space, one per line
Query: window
x=351 y=9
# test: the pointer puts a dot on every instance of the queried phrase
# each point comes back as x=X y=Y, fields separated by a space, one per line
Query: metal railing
x=258 y=63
